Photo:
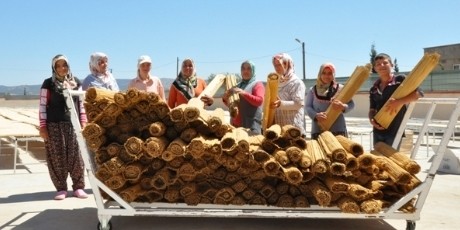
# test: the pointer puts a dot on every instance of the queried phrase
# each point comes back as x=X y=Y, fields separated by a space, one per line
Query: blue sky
x=217 y=34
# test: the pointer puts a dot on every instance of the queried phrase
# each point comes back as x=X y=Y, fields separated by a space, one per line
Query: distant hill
x=20 y=90
x=35 y=89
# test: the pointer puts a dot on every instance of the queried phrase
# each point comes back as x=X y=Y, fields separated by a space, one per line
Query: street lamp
x=177 y=67
x=303 y=56
x=304 y=81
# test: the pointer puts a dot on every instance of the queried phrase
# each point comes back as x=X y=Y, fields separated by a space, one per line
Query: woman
x=251 y=94
x=321 y=96
x=62 y=151
x=291 y=94
x=186 y=86
x=100 y=76
x=144 y=81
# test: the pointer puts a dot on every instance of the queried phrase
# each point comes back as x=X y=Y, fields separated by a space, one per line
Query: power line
x=241 y=60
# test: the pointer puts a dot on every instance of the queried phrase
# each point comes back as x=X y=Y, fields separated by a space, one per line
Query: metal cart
x=118 y=207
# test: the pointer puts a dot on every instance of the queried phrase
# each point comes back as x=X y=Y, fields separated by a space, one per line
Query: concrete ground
x=26 y=202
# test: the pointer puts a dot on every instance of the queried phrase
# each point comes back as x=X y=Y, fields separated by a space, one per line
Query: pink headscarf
x=289 y=71
x=323 y=66
x=321 y=87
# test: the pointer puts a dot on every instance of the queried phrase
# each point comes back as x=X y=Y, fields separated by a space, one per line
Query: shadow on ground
x=36 y=196
x=86 y=218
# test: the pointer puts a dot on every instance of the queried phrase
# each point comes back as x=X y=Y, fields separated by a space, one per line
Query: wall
x=361 y=109
x=442 y=111
x=450 y=55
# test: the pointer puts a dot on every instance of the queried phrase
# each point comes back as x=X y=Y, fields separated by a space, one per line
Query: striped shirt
x=291 y=110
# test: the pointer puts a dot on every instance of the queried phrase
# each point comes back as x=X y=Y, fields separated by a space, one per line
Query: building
x=450 y=56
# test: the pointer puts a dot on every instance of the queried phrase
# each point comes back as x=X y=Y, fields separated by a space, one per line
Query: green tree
x=211 y=77
x=396 y=66
x=372 y=56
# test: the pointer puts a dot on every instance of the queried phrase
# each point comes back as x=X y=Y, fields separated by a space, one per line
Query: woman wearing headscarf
x=100 y=76
x=186 y=86
x=144 y=80
x=251 y=94
x=321 y=96
x=291 y=94
x=62 y=150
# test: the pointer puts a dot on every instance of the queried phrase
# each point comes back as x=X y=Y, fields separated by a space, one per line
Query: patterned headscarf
x=289 y=71
x=323 y=88
x=243 y=82
x=62 y=82
x=187 y=84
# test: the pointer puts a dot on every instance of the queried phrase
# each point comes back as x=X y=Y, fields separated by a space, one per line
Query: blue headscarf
x=243 y=82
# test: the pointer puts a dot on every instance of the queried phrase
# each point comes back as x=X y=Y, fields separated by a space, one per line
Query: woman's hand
x=226 y=95
x=236 y=90
x=321 y=117
x=44 y=133
x=338 y=105
x=275 y=104
x=207 y=100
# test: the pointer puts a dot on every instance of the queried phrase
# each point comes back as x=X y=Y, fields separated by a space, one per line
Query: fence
x=440 y=81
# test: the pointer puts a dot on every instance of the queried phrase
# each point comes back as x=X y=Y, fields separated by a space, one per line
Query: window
x=456 y=67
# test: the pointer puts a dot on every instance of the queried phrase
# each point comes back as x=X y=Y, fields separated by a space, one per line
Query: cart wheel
x=410 y=225
x=108 y=227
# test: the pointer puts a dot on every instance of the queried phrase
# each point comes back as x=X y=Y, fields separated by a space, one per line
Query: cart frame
x=118 y=207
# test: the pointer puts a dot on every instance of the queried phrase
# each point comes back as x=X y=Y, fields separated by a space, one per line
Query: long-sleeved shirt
x=250 y=107
x=291 y=110
x=53 y=107
x=94 y=81
x=176 y=97
x=315 y=105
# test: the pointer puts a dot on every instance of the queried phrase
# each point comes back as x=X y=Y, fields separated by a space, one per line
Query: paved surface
x=26 y=202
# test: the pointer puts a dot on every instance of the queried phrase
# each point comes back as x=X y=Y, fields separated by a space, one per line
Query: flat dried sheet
x=17 y=129
x=19 y=115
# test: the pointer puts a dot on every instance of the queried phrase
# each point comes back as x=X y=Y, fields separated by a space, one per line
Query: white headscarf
x=289 y=72
x=94 y=65
x=62 y=82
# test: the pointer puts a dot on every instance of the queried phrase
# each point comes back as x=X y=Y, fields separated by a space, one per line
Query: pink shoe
x=60 y=195
x=80 y=194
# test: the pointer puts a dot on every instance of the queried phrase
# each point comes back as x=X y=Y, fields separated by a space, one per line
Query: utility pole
x=304 y=82
x=303 y=57
x=177 y=67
